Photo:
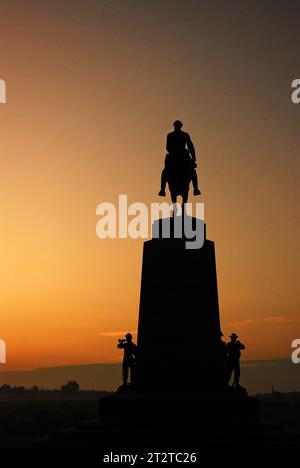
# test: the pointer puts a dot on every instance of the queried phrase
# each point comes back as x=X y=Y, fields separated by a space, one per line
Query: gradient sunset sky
x=93 y=87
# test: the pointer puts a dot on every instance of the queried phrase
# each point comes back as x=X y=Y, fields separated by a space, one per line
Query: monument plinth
x=179 y=324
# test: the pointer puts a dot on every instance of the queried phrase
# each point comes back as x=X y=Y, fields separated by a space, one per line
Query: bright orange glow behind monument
x=92 y=90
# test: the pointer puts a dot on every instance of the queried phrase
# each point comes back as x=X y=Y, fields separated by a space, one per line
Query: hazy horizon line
x=113 y=364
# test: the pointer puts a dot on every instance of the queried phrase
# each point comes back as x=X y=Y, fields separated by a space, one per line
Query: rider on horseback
x=180 y=148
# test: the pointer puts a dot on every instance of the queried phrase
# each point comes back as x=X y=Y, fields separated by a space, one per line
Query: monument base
x=169 y=410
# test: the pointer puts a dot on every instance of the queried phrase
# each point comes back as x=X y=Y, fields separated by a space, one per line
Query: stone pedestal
x=179 y=324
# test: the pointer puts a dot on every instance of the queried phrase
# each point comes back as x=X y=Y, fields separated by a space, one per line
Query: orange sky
x=92 y=90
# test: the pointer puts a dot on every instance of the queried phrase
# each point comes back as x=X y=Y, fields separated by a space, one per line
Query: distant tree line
x=70 y=387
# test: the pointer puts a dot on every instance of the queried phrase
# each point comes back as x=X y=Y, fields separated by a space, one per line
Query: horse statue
x=178 y=172
x=180 y=165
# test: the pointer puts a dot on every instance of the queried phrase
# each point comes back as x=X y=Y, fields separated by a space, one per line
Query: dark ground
x=281 y=409
x=24 y=418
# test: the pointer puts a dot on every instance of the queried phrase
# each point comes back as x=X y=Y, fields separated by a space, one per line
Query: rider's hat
x=233 y=335
x=128 y=335
x=178 y=123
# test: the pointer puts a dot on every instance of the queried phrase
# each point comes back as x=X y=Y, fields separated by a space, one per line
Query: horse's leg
x=185 y=196
x=175 y=204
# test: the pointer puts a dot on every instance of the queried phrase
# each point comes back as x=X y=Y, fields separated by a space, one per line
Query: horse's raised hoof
x=162 y=193
x=197 y=191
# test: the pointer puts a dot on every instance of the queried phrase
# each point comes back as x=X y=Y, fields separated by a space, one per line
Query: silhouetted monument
x=180 y=165
x=180 y=376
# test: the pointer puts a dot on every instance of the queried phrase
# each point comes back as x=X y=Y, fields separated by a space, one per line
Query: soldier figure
x=232 y=362
x=179 y=145
x=129 y=359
